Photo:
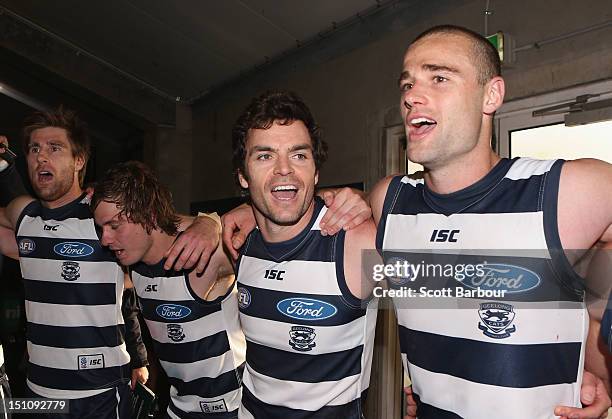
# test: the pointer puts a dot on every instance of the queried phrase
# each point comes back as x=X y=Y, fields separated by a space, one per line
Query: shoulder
x=587 y=181
x=585 y=202
x=16 y=207
x=378 y=194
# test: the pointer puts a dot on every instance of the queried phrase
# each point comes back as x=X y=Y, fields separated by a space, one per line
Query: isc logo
x=91 y=361
x=50 y=228
x=151 y=288
x=444 y=236
x=274 y=274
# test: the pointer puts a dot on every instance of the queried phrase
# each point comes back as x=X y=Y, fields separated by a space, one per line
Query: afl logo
x=73 y=249
x=500 y=276
x=172 y=311
x=26 y=246
x=306 y=309
x=244 y=297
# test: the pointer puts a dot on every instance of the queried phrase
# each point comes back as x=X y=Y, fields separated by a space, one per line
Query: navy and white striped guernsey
x=199 y=343
x=516 y=356
x=3 y=385
x=73 y=287
x=309 y=340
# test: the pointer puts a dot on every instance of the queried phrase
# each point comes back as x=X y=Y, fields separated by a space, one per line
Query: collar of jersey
x=459 y=201
x=60 y=212
x=282 y=250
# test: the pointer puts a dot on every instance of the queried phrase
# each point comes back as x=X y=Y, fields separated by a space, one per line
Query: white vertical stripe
x=5 y=409
x=231 y=320
x=118 y=397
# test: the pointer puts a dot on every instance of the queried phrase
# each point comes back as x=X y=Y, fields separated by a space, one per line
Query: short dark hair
x=60 y=117
x=139 y=195
x=485 y=55
x=275 y=106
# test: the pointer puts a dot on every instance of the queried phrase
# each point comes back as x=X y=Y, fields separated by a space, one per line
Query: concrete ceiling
x=185 y=48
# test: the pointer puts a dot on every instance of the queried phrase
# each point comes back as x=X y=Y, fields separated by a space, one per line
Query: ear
x=243 y=182
x=79 y=163
x=495 y=90
x=317 y=177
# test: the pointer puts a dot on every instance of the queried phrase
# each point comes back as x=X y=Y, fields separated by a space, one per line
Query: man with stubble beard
x=73 y=286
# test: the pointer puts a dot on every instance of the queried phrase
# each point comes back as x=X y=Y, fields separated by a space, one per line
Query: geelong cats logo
x=497 y=320
x=301 y=338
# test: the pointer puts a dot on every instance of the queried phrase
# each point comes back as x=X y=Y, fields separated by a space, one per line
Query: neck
x=67 y=198
x=160 y=244
x=275 y=233
x=460 y=174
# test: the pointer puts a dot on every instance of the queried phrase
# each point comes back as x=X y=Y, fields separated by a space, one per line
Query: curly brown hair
x=274 y=106
x=76 y=131
x=139 y=195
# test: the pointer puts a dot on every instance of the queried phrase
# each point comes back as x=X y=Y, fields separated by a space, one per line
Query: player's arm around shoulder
x=585 y=203
x=217 y=278
x=10 y=215
x=377 y=197
x=8 y=245
x=359 y=253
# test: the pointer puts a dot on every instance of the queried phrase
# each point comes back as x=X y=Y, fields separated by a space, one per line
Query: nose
x=41 y=156
x=106 y=238
x=414 y=96
x=283 y=166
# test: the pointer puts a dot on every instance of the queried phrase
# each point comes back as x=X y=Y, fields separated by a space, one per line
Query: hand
x=594 y=398
x=237 y=224
x=194 y=246
x=3 y=146
x=411 y=406
x=139 y=374
x=347 y=209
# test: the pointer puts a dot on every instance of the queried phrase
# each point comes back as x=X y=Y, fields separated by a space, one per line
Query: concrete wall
x=349 y=81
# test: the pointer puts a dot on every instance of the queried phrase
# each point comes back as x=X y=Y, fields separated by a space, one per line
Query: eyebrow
x=297 y=147
x=437 y=67
x=428 y=67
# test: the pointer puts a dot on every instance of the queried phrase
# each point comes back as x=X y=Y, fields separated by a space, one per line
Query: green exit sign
x=497 y=40
x=502 y=43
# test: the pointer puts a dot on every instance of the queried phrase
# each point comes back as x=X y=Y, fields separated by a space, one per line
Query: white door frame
x=517 y=114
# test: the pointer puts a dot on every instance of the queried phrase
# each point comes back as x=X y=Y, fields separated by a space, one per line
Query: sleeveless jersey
x=474 y=353
x=73 y=287
x=199 y=343
x=309 y=340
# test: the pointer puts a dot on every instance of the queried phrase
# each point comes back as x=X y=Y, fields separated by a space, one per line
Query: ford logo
x=73 y=249
x=306 y=309
x=172 y=311
x=499 y=276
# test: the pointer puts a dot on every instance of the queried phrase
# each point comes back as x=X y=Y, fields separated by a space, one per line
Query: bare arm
x=194 y=247
x=8 y=245
x=359 y=257
x=216 y=279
